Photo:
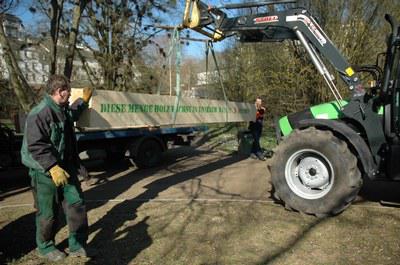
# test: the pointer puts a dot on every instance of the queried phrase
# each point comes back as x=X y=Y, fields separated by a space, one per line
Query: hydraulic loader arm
x=292 y=24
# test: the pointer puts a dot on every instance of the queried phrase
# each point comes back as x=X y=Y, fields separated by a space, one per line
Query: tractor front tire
x=315 y=172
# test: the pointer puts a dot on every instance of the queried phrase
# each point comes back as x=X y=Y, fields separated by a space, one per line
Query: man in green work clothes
x=49 y=150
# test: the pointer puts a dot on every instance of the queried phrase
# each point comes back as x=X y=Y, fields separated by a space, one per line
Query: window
x=11 y=31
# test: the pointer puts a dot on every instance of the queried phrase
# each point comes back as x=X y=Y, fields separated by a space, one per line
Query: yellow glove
x=87 y=94
x=59 y=175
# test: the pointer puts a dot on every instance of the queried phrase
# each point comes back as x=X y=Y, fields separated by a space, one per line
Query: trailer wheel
x=148 y=154
x=314 y=172
x=114 y=156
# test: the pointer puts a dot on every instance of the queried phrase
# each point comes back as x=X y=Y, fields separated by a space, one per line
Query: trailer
x=136 y=126
x=142 y=146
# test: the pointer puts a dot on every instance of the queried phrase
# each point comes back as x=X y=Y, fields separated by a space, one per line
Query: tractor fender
x=134 y=146
x=351 y=137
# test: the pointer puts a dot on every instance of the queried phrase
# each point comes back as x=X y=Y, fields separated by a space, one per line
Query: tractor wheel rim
x=309 y=174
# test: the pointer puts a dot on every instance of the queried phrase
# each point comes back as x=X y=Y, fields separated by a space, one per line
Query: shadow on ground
x=123 y=231
x=121 y=242
x=109 y=227
x=17 y=238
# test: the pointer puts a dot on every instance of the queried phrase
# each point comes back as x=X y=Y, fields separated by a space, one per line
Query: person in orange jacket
x=256 y=130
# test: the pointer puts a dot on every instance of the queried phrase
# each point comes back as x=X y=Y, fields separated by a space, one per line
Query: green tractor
x=325 y=151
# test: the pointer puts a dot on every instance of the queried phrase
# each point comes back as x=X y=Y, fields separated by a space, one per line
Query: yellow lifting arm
x=195 y=20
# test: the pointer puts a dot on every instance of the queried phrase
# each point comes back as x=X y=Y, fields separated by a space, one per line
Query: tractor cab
x=391 y=83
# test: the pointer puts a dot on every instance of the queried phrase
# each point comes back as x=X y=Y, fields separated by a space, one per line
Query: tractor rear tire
x=315 y=172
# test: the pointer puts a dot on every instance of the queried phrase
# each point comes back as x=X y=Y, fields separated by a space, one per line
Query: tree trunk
x=22 y=90
x=69 y=59
x=56 y=11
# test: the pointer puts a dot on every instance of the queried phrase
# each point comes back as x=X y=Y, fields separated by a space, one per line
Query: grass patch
x=225 y=137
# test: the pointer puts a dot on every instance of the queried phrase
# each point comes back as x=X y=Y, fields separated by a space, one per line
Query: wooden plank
x=116 y=110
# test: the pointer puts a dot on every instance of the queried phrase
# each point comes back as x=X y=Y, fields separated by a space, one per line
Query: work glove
x=87 y=94
x=59 y=175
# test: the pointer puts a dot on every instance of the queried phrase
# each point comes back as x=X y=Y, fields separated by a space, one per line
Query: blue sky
x=22 y=11
x=195 y=49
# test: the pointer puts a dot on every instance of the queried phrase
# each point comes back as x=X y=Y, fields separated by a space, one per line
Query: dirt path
x=206 y=207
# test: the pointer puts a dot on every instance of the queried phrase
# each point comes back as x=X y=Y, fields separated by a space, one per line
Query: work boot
x=253 y=156
x=268 y=153
x=54 y=255
x=261 y=156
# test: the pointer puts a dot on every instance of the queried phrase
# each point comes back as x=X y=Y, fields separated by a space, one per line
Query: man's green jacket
x=49 y=136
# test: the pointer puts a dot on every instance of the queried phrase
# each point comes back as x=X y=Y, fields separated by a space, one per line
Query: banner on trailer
x=113 y=110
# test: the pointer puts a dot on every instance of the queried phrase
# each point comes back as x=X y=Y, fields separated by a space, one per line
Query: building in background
x=33 y=56
x=13 y=26
x=207 y=86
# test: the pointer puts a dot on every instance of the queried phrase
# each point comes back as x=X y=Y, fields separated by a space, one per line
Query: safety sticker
x=349 y=71
x=268 y=19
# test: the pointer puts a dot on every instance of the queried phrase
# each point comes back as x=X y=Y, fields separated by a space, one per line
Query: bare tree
x=55 y=16
x=6 y=5
x=79 y=7
x=119 y=31
x=283 y=73
x=22 y=90
x=64 y=19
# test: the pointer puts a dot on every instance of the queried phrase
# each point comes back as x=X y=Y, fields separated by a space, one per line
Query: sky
x=195 y=49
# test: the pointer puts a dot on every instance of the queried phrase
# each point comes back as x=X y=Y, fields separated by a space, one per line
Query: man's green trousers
x=48 y=199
